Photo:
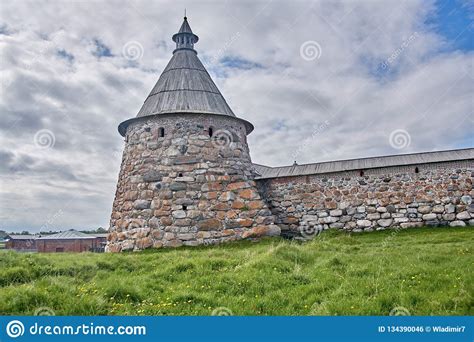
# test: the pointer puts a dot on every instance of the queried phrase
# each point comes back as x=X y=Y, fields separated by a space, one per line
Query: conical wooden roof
x=185 y=85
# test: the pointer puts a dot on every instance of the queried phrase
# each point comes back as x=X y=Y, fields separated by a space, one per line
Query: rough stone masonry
x=187 y=178
x=366 y=199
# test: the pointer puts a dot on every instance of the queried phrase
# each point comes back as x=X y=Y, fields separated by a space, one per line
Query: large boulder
x=260 y=231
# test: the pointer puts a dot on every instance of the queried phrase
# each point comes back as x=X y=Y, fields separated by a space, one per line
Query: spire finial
x=185 y=38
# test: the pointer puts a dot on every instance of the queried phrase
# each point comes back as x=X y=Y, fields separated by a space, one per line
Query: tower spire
x=185 y=86
x=185 y=38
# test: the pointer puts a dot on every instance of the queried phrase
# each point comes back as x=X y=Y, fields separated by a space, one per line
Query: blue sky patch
x=279 y=125
x=4 y=30
x=66 y=55
x=101 y=50
x=453 y=21
x=239 y=63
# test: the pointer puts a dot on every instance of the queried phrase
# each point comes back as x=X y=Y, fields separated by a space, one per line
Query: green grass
x=428 y=271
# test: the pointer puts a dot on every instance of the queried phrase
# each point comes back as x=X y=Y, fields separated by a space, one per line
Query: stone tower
x=186 y=176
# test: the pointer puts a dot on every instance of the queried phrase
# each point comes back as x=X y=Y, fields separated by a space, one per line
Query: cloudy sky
x=321 y=80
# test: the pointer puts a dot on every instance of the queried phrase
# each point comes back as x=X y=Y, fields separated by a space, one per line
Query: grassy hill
x=427 y=271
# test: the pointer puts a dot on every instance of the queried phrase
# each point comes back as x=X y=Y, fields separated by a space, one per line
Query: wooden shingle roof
x=185 y=28
x=364 y=163
x=185 y=87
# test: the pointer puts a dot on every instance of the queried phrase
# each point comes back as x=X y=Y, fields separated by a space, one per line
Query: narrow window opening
x=417 y=170
x=161 y=132
x=361 y=173
x=211 y=131
x=185 y=207
x=180 y=174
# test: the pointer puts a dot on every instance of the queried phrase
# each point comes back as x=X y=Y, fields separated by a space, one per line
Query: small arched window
x=211 y=131
x=417 y=170
x=180 y=174
x=161 y=132
x=361 y=173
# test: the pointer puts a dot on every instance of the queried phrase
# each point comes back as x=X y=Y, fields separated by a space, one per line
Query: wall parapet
x=362 y=164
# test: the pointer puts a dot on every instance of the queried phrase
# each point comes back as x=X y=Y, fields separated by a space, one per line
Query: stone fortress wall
x=180 y=186
x=373 y=199
x=187 y=178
